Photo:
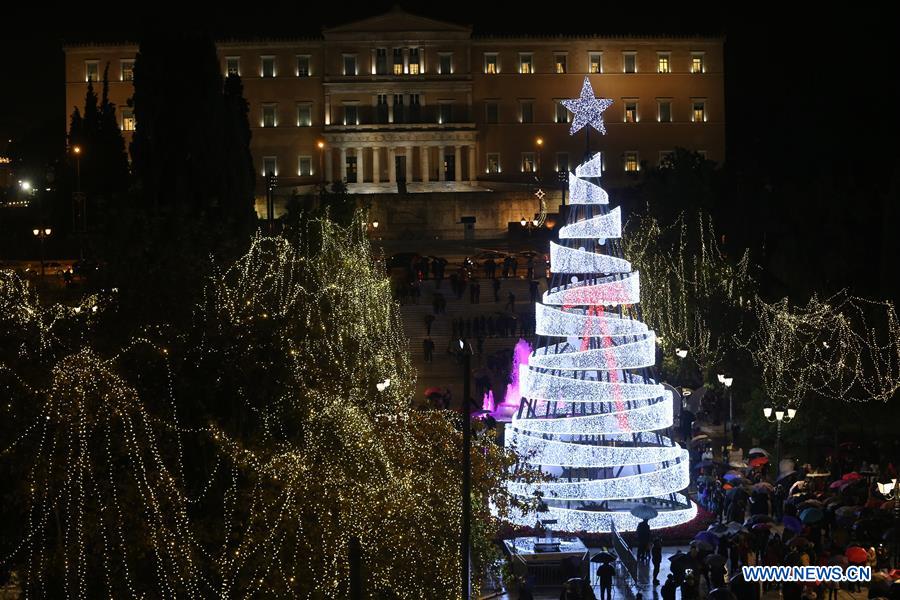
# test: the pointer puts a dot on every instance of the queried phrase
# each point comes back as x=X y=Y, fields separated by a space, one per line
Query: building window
x=126 y=70
x=491 y=63
x=270 y=166
x=491 y=112
x=304 y=166
x=398 y=61
x=665 y=111
x=413 y=61
x=91 y=70
x=595 y=62
x=665 y=159
x=351 y=169
x=350 y=64
x=630 y=59
x=528 y=165
x=631 y=111
x=526 y=62
x=562 y=162
x=232 y=65
x=381 y=64
x=445 y=63
x=303 y=65
x=268 y=66
x=698 y=64
x=268 y=115
x=304 y=114
x=631 y=162
x=445 y=112
x=127 y=119
x=698 y=111
x=493 y=162
x=562 y=113
x=561 y=63
x=526 y=111
x=351 y=114
x=662 y=62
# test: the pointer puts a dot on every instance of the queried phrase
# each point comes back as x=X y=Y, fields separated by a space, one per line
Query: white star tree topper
x=588 y=109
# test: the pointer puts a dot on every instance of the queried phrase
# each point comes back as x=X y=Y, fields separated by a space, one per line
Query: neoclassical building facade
x=403 y=99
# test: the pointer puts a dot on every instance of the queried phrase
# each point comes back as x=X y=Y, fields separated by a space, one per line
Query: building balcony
x=440 y=116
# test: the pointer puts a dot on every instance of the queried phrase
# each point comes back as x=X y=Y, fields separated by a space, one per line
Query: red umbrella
x=759 y=461
x=856 y=555
x=853 y=476
x=432 y=391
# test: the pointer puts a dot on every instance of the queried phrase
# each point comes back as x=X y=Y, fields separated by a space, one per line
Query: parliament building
x=400 y=102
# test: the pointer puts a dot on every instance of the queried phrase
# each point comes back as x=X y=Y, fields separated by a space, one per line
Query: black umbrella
x=722 y=593
x=603 y=557
x=755 y=519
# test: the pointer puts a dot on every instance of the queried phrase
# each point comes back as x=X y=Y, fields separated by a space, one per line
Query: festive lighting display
x=587 y=109
x=591 y=412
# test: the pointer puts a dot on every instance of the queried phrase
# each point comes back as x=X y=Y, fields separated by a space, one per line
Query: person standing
x=669 y=588
x=533 y=290
x=511 y=302
x=428 y=349
x=429 y=321
x=606 y=572
x=656 y=558
x=495 y=283
x=643 y=539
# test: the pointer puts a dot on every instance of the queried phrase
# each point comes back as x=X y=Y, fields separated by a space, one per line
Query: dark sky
x=797 y=89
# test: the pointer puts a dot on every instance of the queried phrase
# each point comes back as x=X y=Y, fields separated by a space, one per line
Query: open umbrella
x=721 y=593
x=798 y=541
x=708 y=537
x=792 y=523
x=799 y=487
x=757 y=451
x=761 y=526
x=706 y=464
x=434 y=391
x=838 y=485
x=644 y=511
x=811 y=515
x=738 y=464
x=699 y=438
x=715 y=560
x=847 y=513
x=703 y=545
x=856 y=555
x=719 y=530
x=759 y=519
x=763 y=487
x=732 y=475
x=734 y=527
x=735 y=492
x=603 y=557
x=759 y=461
x=810 y=502
x=839 y=560
x=852 y=476
x=788 y=479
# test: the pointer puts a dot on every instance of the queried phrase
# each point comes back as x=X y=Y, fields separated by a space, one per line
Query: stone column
x=376 y=168
x=328 y=158
x=457 y=163
x=473 y=169
x=442 y=174
x=360 y=164
x=343 y=163
x=424 y=151
x=392 y=164
x=409 y=163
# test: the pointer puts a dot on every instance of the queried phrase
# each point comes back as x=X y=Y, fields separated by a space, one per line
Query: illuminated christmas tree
x=592 y=414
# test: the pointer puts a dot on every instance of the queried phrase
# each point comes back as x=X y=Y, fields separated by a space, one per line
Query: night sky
x=802 y=96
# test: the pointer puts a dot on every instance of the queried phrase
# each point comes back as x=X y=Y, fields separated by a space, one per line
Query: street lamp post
x=321 y=146
x=40 y=234
x=465 y=548
x=891 y=491
x=779 y=415
x=727 y=380
x=539 y=142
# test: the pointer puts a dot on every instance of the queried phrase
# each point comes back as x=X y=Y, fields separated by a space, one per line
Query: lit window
x=304 y=166
x=269 y=119
x=561 y=63
x=350 y=64
x=630 y=59
x=491 y=63
x=398 y=61
x=595 y=62
x=493 y=162
x=413 y=61
x=665 y=111
x=698 y=112
x=631 y=112
x=381 y=64
x=526 y=62
x=697 y=62
x=127 y=70
x=527 y=111
x=446 y=63
x=351 y=169
x=528 y=162
x=91 y=70
x=268 y=66
x=491 y=112
x=303 y=65
x=562 y=162
x=127 y=119
x=445 y=112
x=631 y=162
x=562 y=113
x=662 y=62
x=232 y=65
x=270 y=166
x=665 y=159
x=351 y=114
x=304 y=114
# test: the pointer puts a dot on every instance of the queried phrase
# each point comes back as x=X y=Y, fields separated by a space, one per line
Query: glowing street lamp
x=781 y=415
